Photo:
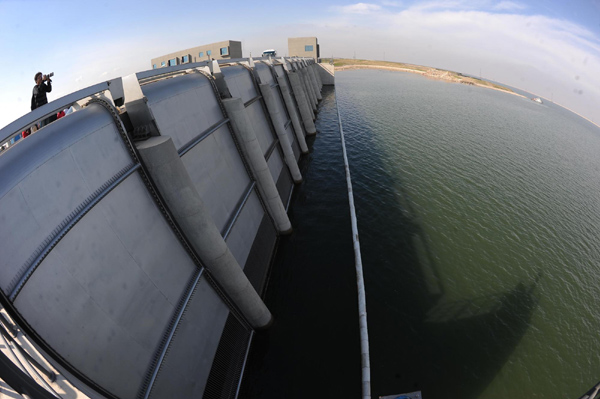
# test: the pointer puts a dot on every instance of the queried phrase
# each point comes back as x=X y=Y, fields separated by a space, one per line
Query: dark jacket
x=39 y=94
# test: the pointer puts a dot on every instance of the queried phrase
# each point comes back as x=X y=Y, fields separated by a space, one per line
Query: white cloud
x=79 y=79
x=509 y=6
x=390 y=3
x=539 y=54
x=104 y=73
x=360 y=8
x=444 y=5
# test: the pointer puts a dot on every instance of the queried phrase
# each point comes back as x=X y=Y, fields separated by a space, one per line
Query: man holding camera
x=39 y=93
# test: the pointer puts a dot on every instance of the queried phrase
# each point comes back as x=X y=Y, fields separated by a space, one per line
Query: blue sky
x=551 y=48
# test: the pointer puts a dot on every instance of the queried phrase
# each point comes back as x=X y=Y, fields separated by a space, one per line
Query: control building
x=229 y=49
x=304 y=47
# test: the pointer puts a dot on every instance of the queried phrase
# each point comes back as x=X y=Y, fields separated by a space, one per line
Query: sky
x=550 y=48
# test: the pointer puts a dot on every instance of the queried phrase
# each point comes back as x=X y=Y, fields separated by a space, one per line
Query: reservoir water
x=479 y=216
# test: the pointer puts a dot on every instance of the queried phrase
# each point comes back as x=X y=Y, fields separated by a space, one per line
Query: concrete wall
x=234 y=51
x=327 y=73
x=91 y=259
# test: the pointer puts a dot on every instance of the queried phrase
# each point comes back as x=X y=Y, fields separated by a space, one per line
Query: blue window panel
x=308 y=48
x=186 y=58
x=162 y=64
x=201 y=54
x=224 y=51
x=153 y=66
x=207 y=52
x=173 y=62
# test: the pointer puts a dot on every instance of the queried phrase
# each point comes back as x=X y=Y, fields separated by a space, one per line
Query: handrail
x=17 y=126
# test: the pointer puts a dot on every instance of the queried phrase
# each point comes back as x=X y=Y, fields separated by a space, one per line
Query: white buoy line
x=360 y=282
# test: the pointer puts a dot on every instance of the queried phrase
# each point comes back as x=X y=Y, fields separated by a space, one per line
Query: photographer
x=39 y=93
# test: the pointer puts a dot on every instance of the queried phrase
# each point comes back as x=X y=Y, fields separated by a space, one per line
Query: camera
x=47 y=77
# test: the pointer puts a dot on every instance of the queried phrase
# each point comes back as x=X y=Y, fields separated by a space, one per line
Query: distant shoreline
x=342 y=64
x=434 y=73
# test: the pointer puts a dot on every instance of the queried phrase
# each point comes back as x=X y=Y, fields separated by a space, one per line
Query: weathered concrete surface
x=174 y=184
x=277 y=119
x=244 y=130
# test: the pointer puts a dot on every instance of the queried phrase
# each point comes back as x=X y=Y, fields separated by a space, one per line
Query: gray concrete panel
x=183 y=107
x=28 y=155
x=187 y=364
x=292 y=111
x=264 y=72
x=259 y=121
x=54 y=190
x=53 y=171
x=279 y=70
x=57 y=306
x=148 y=238
x=296 y=150
x=246 y=136
x=242 y=234
x=326 y=74
x=20 y=235
x=174 y=183
x=218 y=174
x=277 y=118
x=275 y=166
x=104 y=147
x=239 y=82
x=291 y=135
x=95 y=256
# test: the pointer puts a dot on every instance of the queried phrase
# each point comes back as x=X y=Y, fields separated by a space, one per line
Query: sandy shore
x=426 y=74
x=423 y=73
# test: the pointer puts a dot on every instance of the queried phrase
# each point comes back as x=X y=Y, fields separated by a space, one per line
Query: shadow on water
x=313 y=348
x=418 y=340
x=421 y=342
x=473 y=339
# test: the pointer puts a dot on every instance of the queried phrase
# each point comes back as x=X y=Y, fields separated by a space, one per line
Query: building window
x=224 y=51
x=185 y=58
x=207 y=52
x=201 y=54
x=173 y=62
x=308 y=48
x=163 y=64
x=153 y=66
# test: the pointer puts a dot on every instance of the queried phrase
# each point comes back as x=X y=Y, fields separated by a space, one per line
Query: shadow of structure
x=418 y=340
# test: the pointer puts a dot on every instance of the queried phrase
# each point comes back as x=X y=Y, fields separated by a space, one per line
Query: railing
x=30 y=119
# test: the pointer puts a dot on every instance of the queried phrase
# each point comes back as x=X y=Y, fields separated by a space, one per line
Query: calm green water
x=479 y=215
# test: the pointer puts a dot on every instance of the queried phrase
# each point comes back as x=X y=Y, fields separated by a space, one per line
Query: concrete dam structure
x=137 y=231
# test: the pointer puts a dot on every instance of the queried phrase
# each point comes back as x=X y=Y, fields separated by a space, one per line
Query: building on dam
x=137 y=231
x=228 y=49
